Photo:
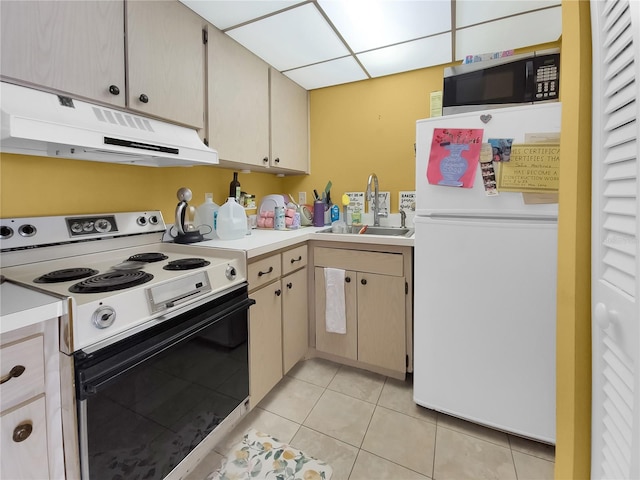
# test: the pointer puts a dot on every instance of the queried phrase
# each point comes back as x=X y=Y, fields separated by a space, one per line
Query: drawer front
x=26 y=355
x=294 y=259
x=264 y=271
x=23 y=434
x=359 y=261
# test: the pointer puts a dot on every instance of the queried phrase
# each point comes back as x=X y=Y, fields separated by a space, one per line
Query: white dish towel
x=335 y=310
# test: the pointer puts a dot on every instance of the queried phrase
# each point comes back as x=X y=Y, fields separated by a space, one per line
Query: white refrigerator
x=485 y=288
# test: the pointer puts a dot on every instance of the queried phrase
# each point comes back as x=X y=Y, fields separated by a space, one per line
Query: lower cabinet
x=377 y=307
x=30 y=406
x=278 y=322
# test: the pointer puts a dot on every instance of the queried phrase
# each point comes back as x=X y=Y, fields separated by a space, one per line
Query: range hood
x=45 y=124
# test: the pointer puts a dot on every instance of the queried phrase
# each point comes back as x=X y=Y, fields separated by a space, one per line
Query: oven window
x=147 y=418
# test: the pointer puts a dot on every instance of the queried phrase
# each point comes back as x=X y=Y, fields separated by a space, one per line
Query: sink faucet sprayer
x=372 y=197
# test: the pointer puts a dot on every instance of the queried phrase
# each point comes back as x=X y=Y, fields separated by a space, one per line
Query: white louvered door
x=615 y=451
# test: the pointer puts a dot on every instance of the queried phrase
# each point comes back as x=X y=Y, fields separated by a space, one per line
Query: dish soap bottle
x=207 y=213
x=232 y=221
x=234 y=187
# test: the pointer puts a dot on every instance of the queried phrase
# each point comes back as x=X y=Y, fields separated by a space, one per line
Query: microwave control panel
x=547 y=78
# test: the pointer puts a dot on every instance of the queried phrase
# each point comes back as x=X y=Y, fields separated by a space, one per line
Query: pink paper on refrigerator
x=453 y=160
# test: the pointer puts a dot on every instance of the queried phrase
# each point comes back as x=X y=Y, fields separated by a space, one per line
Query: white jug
x=232 y=221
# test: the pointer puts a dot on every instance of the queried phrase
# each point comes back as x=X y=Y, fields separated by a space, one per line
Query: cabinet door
x=25 y=459
x=343 y=345
x=265 y=341
x=165 y=61
x=71 y=46
x=381 y=321
x=295 y=329
x=289 y=124
x=238 y=83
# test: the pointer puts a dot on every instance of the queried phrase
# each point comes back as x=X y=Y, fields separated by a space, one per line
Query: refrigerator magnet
x=454 y=156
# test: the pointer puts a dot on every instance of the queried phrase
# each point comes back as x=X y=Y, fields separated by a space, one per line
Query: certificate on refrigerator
x=534 y=167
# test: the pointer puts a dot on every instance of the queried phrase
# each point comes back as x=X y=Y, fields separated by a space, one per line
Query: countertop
x=21 y=307
x=263 y=241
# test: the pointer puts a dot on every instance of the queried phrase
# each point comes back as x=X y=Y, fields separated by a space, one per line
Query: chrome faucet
x=373 y=199
x=403 y=219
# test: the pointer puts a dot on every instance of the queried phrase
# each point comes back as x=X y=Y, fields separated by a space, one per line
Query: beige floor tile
x=473 y=429
x=262 y=420
x=401 y=439
x=398 y=395
x=341 y=416
x=315 y=370
x=532 y=468
x=358 y=383
x=371 y=467
x=208 y=465
x=339 y=455
x=531 y=447
x=460 y=457
x=292 y=399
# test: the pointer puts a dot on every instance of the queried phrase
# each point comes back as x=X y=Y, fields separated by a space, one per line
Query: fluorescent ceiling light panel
x=369 y=24
x=333 y=72
x=408 y=56
x=229 y=13
x=291 y=39
x=471 y=12
x=516 y=32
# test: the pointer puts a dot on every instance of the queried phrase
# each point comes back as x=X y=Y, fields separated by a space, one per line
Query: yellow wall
x=37 y=186
x=573 y=405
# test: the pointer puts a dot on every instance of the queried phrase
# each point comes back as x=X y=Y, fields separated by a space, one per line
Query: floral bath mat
x=259 y=456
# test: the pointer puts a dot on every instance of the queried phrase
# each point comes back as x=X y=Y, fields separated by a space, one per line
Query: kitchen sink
x=386 y=231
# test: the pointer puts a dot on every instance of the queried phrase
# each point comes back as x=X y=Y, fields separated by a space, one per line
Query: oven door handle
x=92 y=378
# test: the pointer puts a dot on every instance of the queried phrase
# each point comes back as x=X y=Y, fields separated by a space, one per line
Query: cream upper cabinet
x=69 y=46
x=165 y=61
x=238 y=104
x=79 y=48
x=289 y=124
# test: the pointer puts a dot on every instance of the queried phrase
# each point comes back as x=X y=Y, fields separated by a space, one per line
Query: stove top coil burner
x=149 y=257
x=66 y=275
x=186 y=264
x=111 y=281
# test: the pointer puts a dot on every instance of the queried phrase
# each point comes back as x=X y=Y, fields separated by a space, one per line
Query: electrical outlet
x=302 y=198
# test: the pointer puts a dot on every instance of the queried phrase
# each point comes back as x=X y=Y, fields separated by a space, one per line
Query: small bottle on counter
x=234 y=187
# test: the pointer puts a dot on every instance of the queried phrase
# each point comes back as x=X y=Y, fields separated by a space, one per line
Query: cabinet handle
x=22 y=432
x=13 y=373
x=278 y=292
x=294 y=260
x=363 y=281
x=347 y=279
x=277 y=160
x=143 y=98
x=265 y=273
x=265 y=160
x=114 y=90
x=289 y=285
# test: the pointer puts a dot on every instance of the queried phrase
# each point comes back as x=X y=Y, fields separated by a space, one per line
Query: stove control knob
x=153 y=220
x=103 y=225
x=104 y=317
x=142 y=221
x=230 y=273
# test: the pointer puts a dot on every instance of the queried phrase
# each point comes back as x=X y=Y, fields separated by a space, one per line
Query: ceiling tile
x=229 y=13
x=291 y=39
x=369 y=24
x=333 y=72
x=421 y=53
x=470 y=12
x=515 y=32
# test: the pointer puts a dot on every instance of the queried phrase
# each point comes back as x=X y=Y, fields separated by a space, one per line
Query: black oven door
x=146 y=401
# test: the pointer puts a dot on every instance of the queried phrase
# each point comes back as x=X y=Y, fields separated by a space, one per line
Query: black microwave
x=503 y=82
